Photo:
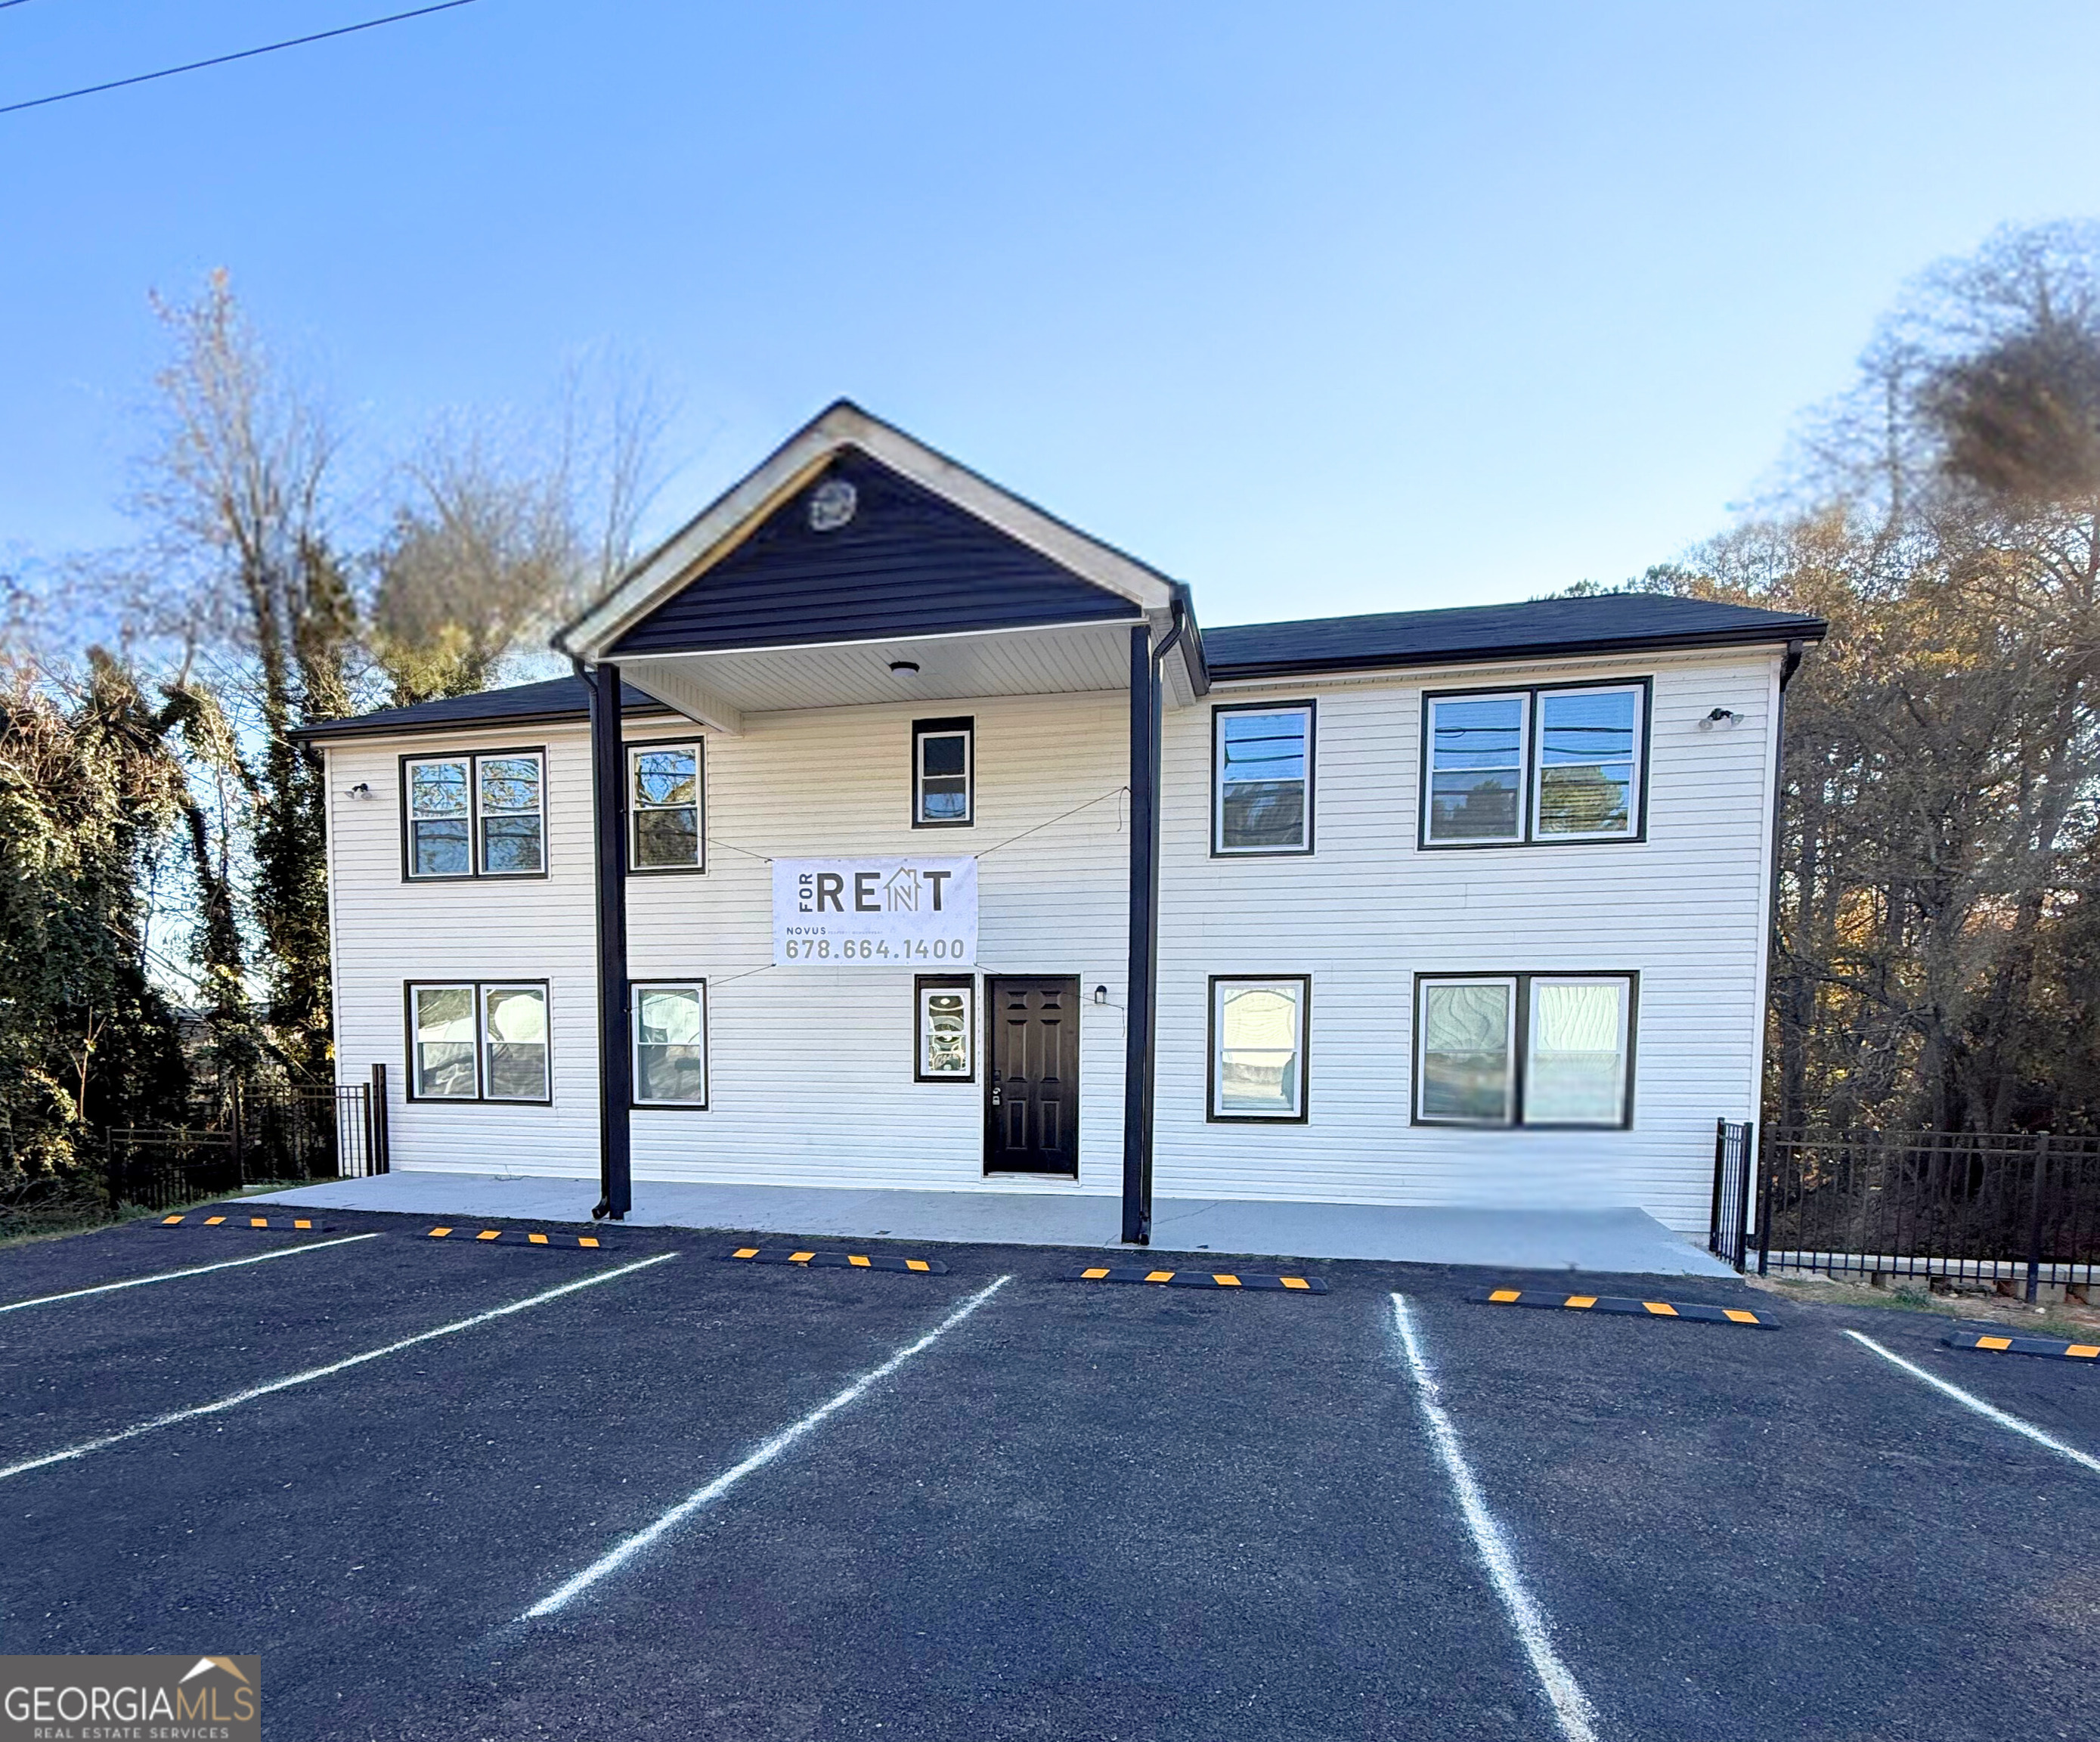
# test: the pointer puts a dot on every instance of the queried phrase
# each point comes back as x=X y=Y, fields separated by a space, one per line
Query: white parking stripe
x=765 y=1455
x=1571 y=1705
x=1989 y=1411
x=199 y=1270
x=312 y=1373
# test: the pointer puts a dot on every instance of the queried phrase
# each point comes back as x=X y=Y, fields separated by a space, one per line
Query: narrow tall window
x=474 y=815
x=671 y=1044
x=666 y=802
x=440 y=810
x=445 y=1061
x=1533 y=766
x=1261 y=779
x=948 y=1028
x=1477 y=763
x=942 y=773
x=515 y=1018
x=1576 y=1071
x=1466 y=1068
x=1258 y=1047
x=483 y=1041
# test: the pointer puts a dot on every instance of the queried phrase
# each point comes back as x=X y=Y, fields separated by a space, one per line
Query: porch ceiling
x=718 y=688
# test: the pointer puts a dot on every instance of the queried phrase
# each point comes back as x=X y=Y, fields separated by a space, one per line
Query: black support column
x=1137 y=1075
x=615 y=1068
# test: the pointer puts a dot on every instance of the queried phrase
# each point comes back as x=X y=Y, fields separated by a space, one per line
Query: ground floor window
x=1258 y=1046
x=947 y=1022
x=478 y=1041
x=671 y=1044
x=1525 y=1048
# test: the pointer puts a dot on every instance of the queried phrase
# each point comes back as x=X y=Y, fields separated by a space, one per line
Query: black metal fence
x=1735 y=1152
x=280 y=1134
x=2017 y=1208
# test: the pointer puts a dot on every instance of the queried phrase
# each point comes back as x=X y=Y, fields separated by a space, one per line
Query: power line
x=220 y=61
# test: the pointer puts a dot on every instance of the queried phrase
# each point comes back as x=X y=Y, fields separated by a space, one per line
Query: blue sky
x=1322 y=308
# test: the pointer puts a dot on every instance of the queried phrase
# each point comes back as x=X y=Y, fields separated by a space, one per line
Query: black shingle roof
x=1541 y=628
x=1600 y=623
x=556 y=699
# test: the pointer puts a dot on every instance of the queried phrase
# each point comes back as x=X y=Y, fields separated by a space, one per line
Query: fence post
x=1764 y=1214
x=1720 y=1156
x=1742 y=1247
x=379 y=1161
x=239 y=1162
x=2034 y=1222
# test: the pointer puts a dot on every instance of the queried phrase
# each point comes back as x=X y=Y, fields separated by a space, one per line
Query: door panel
x=1032 y=1090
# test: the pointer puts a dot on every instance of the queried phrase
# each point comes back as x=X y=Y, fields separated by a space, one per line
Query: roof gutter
x=1794 y=634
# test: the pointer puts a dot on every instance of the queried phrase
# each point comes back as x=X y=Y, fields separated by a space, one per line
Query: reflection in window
x=1467 y=1072
x=1476 y=767
x=941 y=773
x=1575 y=1072
x=1263 y=800
x=1587 y=741
x=670 y=1045
x=438 y=818
x=509 y=795
x=515 y=1018
x=444 y=1043
x=665 y=801
x=452 y=803
x=947 y=1031
x=1259 y=1034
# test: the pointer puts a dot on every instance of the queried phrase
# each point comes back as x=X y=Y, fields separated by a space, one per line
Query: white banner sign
x=875 y=913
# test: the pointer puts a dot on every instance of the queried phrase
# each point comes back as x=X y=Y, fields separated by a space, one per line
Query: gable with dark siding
x=908 y=563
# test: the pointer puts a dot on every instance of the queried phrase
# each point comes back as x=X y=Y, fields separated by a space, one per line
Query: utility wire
x=220 y=61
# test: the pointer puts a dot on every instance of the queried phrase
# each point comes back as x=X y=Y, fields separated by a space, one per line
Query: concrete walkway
x=1625 y=1240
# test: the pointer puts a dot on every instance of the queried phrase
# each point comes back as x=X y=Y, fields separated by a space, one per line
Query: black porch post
x=1143 y=938
x=609 y=810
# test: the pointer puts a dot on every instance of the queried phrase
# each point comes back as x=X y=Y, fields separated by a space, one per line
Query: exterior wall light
x=1720 y=717
x=904 y=668
x=363 y=789
x=1100 y=995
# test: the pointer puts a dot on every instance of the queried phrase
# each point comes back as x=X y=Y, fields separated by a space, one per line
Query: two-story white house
x=895 y=833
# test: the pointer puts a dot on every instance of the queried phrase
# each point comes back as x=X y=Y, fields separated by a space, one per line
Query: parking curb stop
x=519 y=1237
x=194 y=1219
x=1191 y=1279
x=808 y=1257
x=1699 y=1312
x=2049 y=1348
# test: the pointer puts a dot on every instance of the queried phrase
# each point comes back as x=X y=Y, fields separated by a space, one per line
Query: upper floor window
x=477 y=816
x=943 y=773
x=1523 y=1049
x=1261 y=778
x=1509 y=766
x=666 y=804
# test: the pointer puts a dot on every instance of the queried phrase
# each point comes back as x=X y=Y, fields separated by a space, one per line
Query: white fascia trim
x=698 y=654
x=721 y=527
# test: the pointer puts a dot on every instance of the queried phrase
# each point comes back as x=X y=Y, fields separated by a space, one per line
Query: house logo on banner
x=873 y=912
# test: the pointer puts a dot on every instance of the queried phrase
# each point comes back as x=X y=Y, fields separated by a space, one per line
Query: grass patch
x=2074 y=1323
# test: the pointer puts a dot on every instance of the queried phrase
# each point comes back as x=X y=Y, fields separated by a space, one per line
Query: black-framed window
x=667 y=807
x=669 y=1020
x=1535 y=765
x=943 y=773
x=1545 y=1050
x=945 y=1022
x=482 y=813
x=1261 y=778
x=478 y=1041
x=1259 y=1024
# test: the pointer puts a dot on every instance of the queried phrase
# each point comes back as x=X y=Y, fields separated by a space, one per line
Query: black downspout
x=1788 y=666
x=1140 y=1003
x=609 y=813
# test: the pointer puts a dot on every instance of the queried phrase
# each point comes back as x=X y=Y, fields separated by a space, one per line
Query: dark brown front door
x=1032 y=1091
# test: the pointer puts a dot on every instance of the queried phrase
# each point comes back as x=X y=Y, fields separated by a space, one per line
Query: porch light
x=904 y=667
x=1720 y=717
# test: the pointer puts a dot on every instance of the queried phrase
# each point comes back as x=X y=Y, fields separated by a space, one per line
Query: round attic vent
x=831 y=505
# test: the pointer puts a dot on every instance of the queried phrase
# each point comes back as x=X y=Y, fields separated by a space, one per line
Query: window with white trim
x=1258 y=1047
x=1511 y=767
x=478 y=1041
x=943 y=773
x=1523 y=1049
x=670 y=1019
x=476 y=815
x=666 y=804
x=1261 y=778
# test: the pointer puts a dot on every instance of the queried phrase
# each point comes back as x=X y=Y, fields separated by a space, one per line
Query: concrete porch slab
x=1625 y=1240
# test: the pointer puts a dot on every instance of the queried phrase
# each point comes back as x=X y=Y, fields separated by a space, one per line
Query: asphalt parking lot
x=458 y=1489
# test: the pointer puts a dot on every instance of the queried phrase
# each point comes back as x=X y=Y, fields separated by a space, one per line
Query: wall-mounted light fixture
x=904 y=668
x=1720 y=717
x=363 y=789
x=1100 y=995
